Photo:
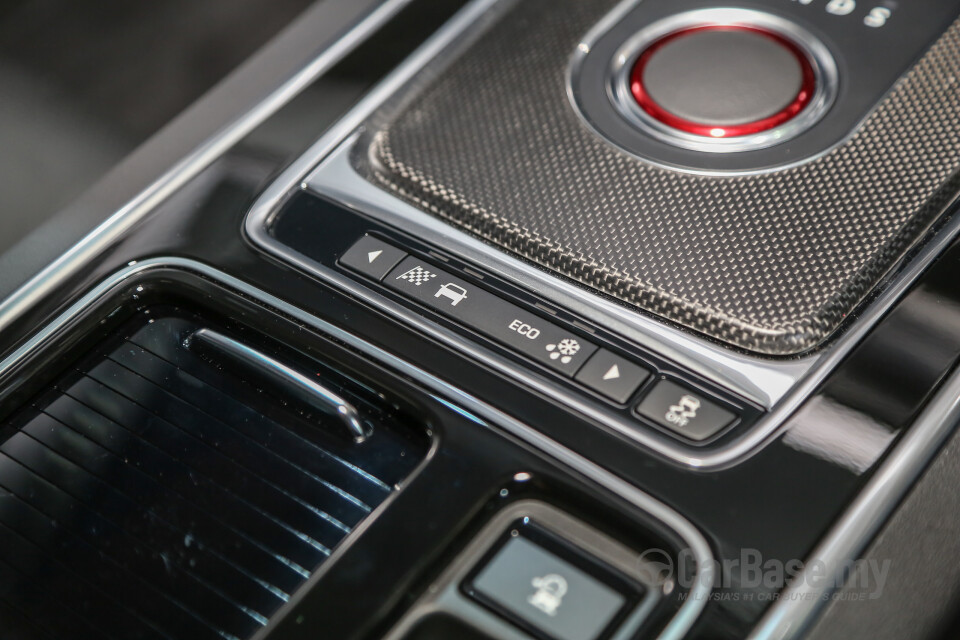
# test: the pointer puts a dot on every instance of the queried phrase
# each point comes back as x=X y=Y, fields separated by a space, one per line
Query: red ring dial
x=647 y=103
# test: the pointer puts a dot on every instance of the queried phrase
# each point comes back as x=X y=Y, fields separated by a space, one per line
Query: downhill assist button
x=684 y=411
x=480 y=310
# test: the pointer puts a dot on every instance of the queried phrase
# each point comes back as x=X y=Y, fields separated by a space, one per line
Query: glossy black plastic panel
x=177 y=492
x=443 y=627
x=420 y=525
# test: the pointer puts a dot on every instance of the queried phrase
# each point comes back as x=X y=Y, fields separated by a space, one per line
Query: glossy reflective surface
x=777 y=503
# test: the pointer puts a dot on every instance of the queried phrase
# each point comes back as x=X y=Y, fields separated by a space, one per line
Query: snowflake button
x=564 y=350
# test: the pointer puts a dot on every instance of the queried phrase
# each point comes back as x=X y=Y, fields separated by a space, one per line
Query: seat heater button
x=684 y=411
x=372 y=257
x=547 y=592
x=482 y=311
x=614 y=377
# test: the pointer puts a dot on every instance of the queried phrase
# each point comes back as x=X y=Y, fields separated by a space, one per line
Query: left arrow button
x=372 y=257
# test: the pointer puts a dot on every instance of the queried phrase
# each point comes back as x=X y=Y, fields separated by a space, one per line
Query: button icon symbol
x=612 y=374
x=453 y=292
x=549 y=593
x=373 y=255
x=684 y=411
x=564 y=350
x=418 y=275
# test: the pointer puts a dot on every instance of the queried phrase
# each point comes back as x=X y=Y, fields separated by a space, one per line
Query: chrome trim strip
x=782 y=385
x=122 y=220
x=311 y=392
x=654 y=440
x=699 y=595
x=762 y=381
x=800 y=603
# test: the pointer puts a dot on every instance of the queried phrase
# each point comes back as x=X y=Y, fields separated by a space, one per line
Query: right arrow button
x=612 y=376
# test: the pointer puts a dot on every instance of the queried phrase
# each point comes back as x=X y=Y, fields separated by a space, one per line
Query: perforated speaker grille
x=771 y=263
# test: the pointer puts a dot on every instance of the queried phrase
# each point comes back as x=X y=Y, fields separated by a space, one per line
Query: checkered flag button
x=418 y=275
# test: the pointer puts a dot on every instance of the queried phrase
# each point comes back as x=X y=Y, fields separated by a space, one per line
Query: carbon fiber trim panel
x=770 y=263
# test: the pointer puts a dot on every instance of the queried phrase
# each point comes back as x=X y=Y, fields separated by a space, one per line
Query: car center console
x=529 y=191
x=580 y=320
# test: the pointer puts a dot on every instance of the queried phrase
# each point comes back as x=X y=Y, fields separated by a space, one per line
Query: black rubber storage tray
x=150 y=491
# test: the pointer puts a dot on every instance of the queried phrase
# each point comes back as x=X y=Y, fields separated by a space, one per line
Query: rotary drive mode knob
x=710 y=84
